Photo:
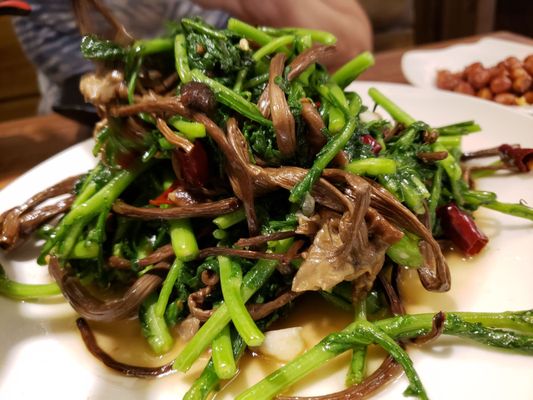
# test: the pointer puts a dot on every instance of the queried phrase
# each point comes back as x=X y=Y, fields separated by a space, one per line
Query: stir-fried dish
x=234 y=174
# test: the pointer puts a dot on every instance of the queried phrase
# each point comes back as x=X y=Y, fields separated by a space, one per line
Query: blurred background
x=397 y=24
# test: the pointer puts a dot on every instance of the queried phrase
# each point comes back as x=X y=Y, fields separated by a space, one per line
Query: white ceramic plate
x=42 y=356
x=420 y=66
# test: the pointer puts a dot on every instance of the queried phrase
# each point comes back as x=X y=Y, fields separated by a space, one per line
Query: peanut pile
x=510 y=82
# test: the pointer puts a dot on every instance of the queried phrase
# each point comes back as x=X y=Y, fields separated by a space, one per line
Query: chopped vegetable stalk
x=183 y=240
x=352 y=69
x=249 y=31
x=458 y=129
x=86 y=211
x=206 y=383
x=222 y=354
x=328 y=153
x=405 y=252
x=155 y=328
x=228 y=220
x=453 y=170
x=24 y=291
x=201 y=27
x=272 y=46
x=230 y=281
x=182 y=63
x=450 y=142
x=253 y=280
x=172 y=276
x=153 y=46
x=517 y=210
x=336 y=120
x=230 y=98
x=477 y=326
x=372 y=166
x=209 y=380
x=357 y=368
x=191 y=130
x=392 y=108
x=436 y=190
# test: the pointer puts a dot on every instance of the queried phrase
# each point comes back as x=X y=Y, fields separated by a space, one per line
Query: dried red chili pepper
x=460 y=228
x=194 y=165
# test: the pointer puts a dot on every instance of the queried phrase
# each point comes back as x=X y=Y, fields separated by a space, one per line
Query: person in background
x=51 y=38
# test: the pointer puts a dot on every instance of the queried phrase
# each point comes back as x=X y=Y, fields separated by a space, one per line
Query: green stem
x=453 y=170
x=89 y=185
x=24 y=291
x=357 y=369
x=228 y=220
x=230 y=98
x=155 y=328
x=248 y=31
x=516 y=210
x=201 y=27
x=256 y=81
x=237 y=87
x=132 y=82
x=458 y=129
x=336 y=120
x=450 y=142
x=206 y=383
x=181 y=60
x=90 y=208
x=209 y=380
x=477 y=326
x=153 y=46
x=352 y=69
x=392 y=108
x=164 y=295
x=328 y=152
x=222 y=354
x=191 y=130
x=230 y=282
x=372 y=166
x=291 y=373
x=272 y=46
x=405 y=252
x=434 y=198
x=253 y=280
x=85 y=250
x=315 y=34
x=183 y=240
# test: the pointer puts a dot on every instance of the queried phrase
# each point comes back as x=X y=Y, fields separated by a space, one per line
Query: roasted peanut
x=485 y=93
x=518 y=72
x=512 y=62
x=522 y=84
x=528 y=96
x=446 y=80
x=500 y=84
x=505 y=98
x=478 y=78
x=528 y=64
x=508 y=82
x=465 y=88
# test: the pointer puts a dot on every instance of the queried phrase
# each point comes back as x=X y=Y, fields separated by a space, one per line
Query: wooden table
x=26 y=142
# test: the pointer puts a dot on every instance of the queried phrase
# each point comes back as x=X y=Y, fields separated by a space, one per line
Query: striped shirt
x=51 y=40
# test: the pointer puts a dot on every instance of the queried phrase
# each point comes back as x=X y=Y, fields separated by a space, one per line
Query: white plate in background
x=42 y=356
x=420 y=66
